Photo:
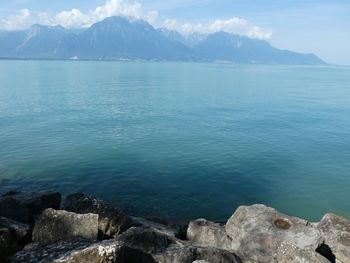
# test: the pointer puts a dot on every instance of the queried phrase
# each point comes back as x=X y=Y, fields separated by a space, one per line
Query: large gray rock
x=188 y=253
x=79 y=251
x=336 y=234
x=257 y=231
x=173 y=229
x=24 y=207
x=290 y=253
x=11 y=208
x=8 y=245
x=206 y=233
x=13 y=237
x=20 y=232
x=167 y=249
x=54 y=225
x=146 y=239
x=112 y=221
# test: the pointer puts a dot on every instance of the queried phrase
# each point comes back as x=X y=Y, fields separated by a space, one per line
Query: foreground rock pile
x=36 y=227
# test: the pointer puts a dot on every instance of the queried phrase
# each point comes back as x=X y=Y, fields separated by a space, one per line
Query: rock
x=112 y=221
x=24 y=207
x=11 y=208
x=289 y=253
x=145 y=239
x=54 y=225
x=79 y=251
x=206 y=233
x=172 y=229
x=257 y=231
x=335 y=234
x=21 y=232
x=8 y=245
x=200 y=261
x=165 y=249
x=188 y=253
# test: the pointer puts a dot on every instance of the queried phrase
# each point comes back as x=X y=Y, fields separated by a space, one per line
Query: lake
x=179 y=140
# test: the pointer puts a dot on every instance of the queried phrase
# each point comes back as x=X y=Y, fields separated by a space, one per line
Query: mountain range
x=117 y=38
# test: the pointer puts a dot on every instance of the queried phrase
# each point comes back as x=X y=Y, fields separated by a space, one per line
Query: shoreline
x=41 y=227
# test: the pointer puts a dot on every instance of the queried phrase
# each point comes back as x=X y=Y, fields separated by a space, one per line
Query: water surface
x=180 y=140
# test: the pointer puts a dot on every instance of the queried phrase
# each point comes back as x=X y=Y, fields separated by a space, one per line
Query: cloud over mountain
x=75 y=18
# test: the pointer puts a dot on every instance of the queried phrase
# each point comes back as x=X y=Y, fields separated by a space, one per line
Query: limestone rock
x=54 y=225
x=11 y=208
x=24 y=207
x=173 y=229
x=289 y=253
x=81 y=251
x=145 y=239
x=20 y=232
x=8 y=245
x=112 y=221
x=206 y=233
x=336 y=234
x=188 y=253
x=257 y=231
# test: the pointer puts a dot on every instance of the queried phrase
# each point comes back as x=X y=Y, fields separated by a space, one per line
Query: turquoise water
x=180 y=140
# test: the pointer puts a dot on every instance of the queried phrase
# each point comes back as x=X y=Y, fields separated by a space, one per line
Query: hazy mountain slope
x=240 y=49
x=119 y=38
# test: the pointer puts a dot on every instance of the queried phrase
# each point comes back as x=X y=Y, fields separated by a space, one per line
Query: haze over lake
x=179 y=140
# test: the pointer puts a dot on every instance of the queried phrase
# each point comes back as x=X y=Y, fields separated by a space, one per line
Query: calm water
x=179 y=140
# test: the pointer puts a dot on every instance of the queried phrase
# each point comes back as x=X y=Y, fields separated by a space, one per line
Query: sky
x=321 y=27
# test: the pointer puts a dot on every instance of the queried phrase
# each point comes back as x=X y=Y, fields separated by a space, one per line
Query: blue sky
x=318 y=26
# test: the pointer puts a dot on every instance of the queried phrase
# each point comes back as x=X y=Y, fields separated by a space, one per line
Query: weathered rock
x=54 y=225
x=80 y=251
x=289 y=253
x=112 y=221
x=20 y=232
x=173 y=229
x=165 y=249
x=206 y=233
x=145 y=239
x=24 y=207
x=188 y=253
x=336 y=234
x=257 y=231
x=8 y=245
x=11 y=208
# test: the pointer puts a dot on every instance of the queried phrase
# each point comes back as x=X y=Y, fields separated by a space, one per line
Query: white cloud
x=75 y=18
x=234 y=25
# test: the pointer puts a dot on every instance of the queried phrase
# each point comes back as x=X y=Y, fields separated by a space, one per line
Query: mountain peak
x=119 y=37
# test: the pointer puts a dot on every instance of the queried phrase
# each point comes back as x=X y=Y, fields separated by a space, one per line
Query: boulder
x=289 y=253
x=188 y=253
x=8 y=245
x=21 y=232
x=54 y=225
x=206 y=233
x=79 y=251
x=24 y=207
x=112 y=221
x=11 y=208
x=146 y=239
x=166 y=249
x=172 y=229
x=257 y=231
x=336 y=235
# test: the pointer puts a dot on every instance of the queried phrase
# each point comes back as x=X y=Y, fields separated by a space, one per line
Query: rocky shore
x=38 y=227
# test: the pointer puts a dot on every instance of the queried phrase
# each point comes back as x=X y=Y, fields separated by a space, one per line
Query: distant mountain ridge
x=117 y=38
